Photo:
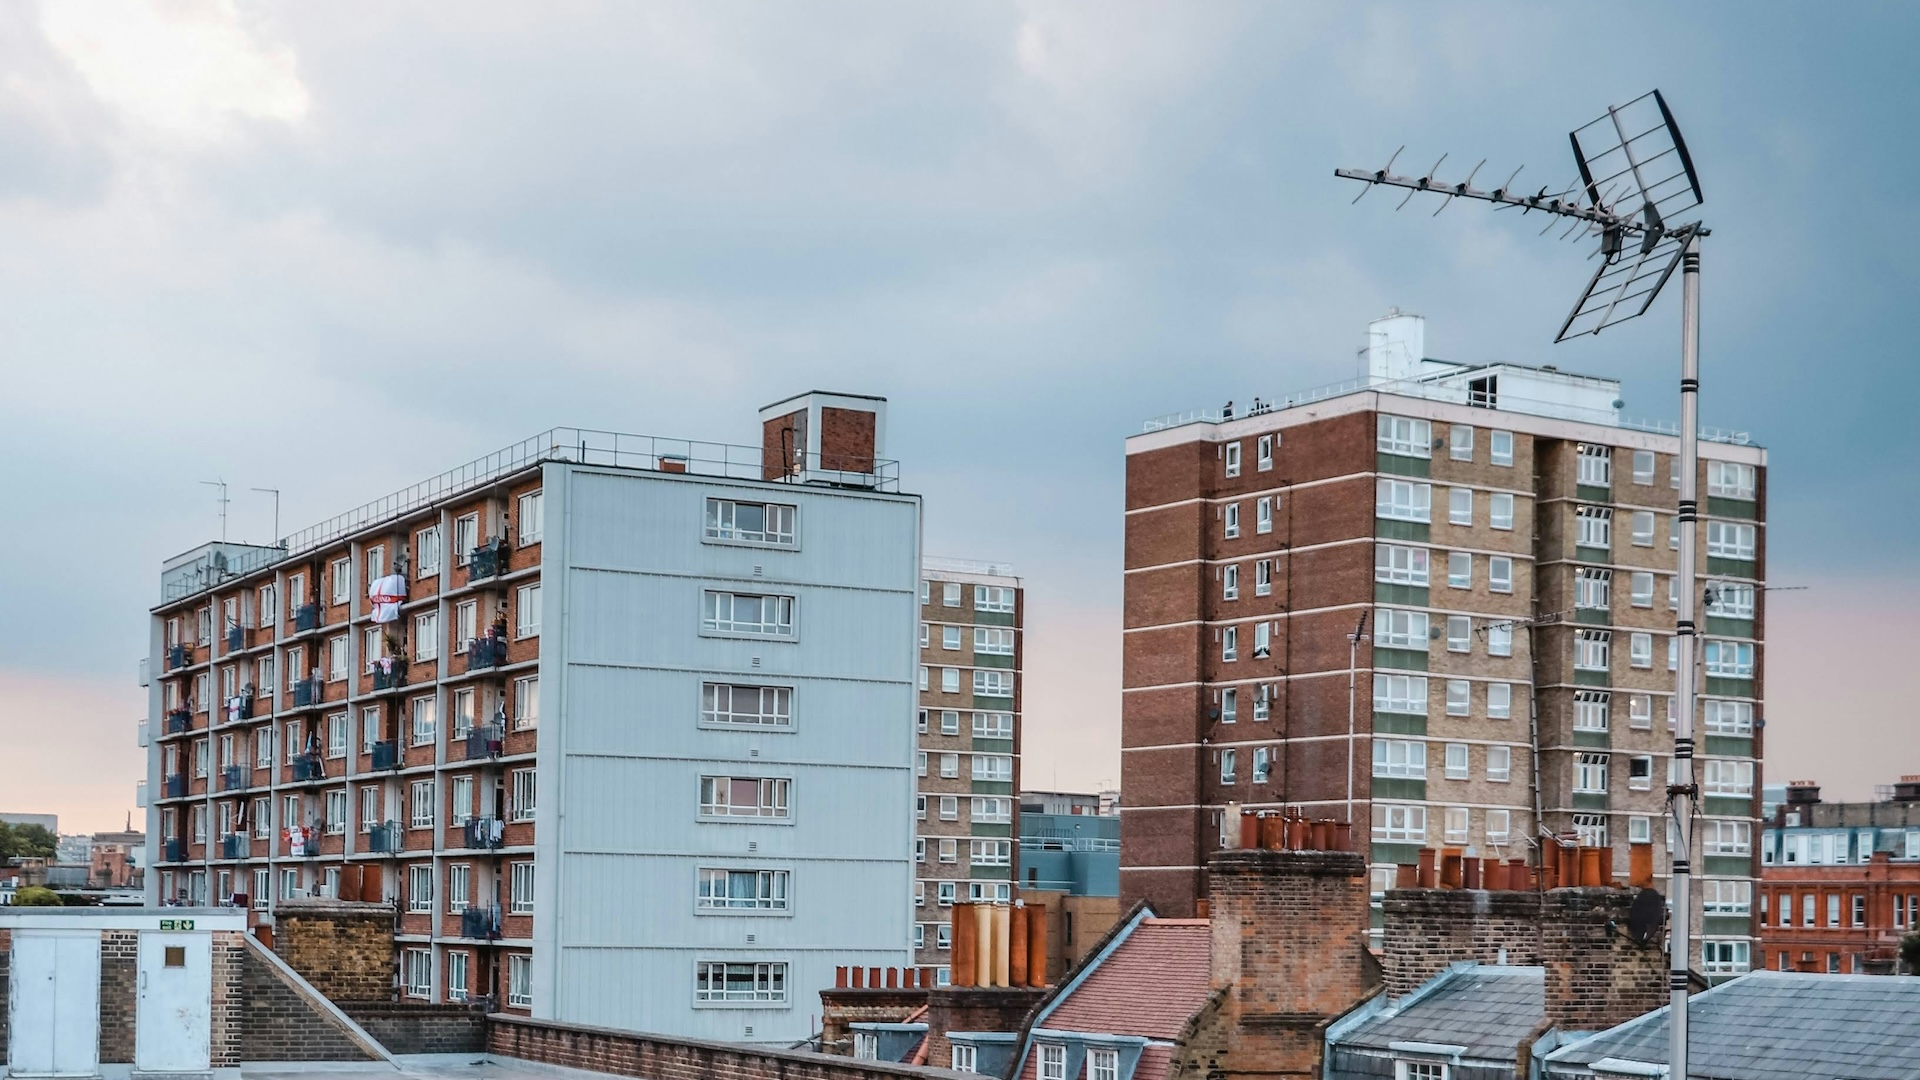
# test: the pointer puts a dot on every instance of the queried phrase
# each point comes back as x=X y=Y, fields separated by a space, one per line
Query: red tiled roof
x=1148 y=986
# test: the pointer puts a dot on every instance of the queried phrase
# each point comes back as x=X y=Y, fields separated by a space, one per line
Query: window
x=1397 y=629
x=1264 y=455
x=1499 y=701
x=1228 y=760
x=1459 y=570
x=340 y=577
x=992 y=810
x=1591 y=829
x=1724 y=957
x=926 y=635
x=526 y=611
x=1592 y=588
x=1103 y=1065
x=426 y=551
x=419 y=972
x=1499 y=826
x=741 y=890
x=923 y=676
x=1500 y=447
x=1640 y=650
x=426 y=636
x=1457 y=763
x=1405 y=758
x=1730 y=480
x=1590 y=709
x=1499 y=574
x=949 y=594
x=1500 y=510
x=727 y=796
x=459 y=887
x=1719 y=777
x=524 y=792
x=296 y=739
x=714 y=981
x=1053 y=1061
x=1728 y=659
x=1233 y=459
x=1403 y=435
x=466 y=537
x=526 y=702
x=990 y=852
x=1730 y=540
x=1460 y=506
x=1859 y=911
x=1230 y=644
x=460 y=799
x=744 y=613
x=1400 y=694
x=1262 y=764
x=993 y=598
x=376 y=564
x=949 y=851
x=1593 y=526
x=1402 y=500
x=1263 y=577
x=1728 y=717
x=420 y=804
x=1596 y=465
x=1591 y=649
x=465 y=624
x=949 y=722
x=1459 y=697
x=423 y=718
x=1640 y=711
x=991 y=725
x=1459 y=633
x=1726 y=837
x=337 y=735
x=993 y=767
x=532 y=517
x=337 y=658
x=1500 y=763
x=420 y=887
x=1399 y=823
x=1639 y=829
x=1590 y=774
x=1232 y=518
x=749 y=706
x=520 y=980
x=991 y=682
x=1642 y=586
x=1400 y=565
x=993 y=641
x=1460 y=443
x=1230 y=582
x=1643 y=466
x=1639 y=773
x=1263 y=515
x=369 y=808
x=1833 y=907
x=1643 y=528
x=1456 y=823
x=1730 y=600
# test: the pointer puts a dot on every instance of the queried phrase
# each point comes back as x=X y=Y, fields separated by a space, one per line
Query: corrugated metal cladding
x=622 y=803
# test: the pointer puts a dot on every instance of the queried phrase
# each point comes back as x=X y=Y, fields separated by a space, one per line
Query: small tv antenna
x=1637 y=192
x=222 y=485
x=275 y=492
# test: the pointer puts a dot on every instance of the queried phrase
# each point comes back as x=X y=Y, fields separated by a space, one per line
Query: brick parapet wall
x=657 y=1057
x=280 y=1024
x=344 y=949
x=230 y=998
x=413 y=1028
x=845 y=1006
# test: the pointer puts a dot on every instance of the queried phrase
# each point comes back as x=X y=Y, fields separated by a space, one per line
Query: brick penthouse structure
x=1504 y=546
x=695 y=660
x=966 y=819
x=1840 y=882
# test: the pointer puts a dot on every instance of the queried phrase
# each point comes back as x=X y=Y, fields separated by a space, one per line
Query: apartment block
x=968 y=764
x=1437 y=601
x=1840 y=882
x=618 y=723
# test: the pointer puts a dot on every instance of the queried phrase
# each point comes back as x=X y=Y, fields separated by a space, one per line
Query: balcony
x=236 y=638
x=480 y=923
x=389 y=674
x=386 y=755
x=306 y=693
x=307 y=767
x=178 y=721
x=233 y=846
x=487 y=560
x=484 y=833
x=143 y=733
x=233 y=777
x=484 y=741
x=385 y=838
x=176 y=657
x=174 y=787
x=303 y=842
x=239 y=707
x=486 y=652
x=306 y=617
x=173 y=849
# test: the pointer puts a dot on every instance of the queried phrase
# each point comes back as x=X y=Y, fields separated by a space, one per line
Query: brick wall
x=781 y=439
x=844 y=1006
x=344 y=949
x=656 y=1057
x=282 y=1025
x=119 y=993
x=972 y=1008
x=414 y=1028
x=846 y=439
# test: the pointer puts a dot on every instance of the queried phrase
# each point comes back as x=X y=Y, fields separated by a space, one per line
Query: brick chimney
x=822 y=435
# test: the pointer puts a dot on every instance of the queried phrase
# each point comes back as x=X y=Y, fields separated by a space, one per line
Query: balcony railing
x=389 y=675
x=176 y=656
x=485 y=740
x=233 y=777
x=236 y=638
x=306 y=692
x=487 y=560
x=173 y=849
x=173 y=787
x=178 y=721
x=486 y=652
x=239 y=707
x=484 y=833
x=386 y=755
x=307 y=767
x=482 y=923
x=303 y=842
x=306 y=617
x=385 y=838
x=233 y=846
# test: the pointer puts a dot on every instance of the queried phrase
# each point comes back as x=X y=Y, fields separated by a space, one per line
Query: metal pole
x=1353 y=654
x=1681 y=790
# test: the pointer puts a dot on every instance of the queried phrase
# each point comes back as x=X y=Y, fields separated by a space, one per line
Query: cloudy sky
x=333 y=249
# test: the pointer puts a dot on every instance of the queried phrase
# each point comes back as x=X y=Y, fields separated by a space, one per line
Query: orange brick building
x=1841 y=882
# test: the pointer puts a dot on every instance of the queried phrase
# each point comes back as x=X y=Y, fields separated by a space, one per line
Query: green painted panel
x=1404 y=659
x=993 y=618
x=1721 y=626
x=1718 y=687
x=1597 y=740
x=1593 y=554
x=992 y=660
x=1398 y=854
x=1727 y=745
x=1727 y=925
x=1001 y=831
x=992 y=704
x=991 y=873
x=1407 y=595
x=1394 y=529
x=1386 y=723
x=1394 y=787
x=1721 y=566
x=1592 y=678
x=1592 y=493
x=1587 y=800
x=992 y=746
x=993 y=787
x=1726 y=865
x=1403 y=466
x=1722 y=507
x=1592 y=616
x=1726 y=805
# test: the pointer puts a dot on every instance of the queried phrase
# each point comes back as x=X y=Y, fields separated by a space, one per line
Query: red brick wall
x=624 y=1053
x=846 y=439
x=781 y=440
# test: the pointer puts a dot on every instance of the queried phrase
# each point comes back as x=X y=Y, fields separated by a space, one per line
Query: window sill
x=741 y=635
x=757 y=545
x=763 y=1005
x=751 y=913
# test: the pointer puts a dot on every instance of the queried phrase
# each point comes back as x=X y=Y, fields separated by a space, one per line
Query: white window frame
x=1402 y=500
x=1233 y=459
x=530 y=517
x=1404 y=435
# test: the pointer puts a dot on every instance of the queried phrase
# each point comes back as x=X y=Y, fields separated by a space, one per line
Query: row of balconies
x=386 y=838
x=485 y=741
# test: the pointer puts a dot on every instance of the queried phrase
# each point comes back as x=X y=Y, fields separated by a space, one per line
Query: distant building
x=1062 y=802
x=117 y=860
x=73 y=849
x=1070 y=861
x=1840 y=882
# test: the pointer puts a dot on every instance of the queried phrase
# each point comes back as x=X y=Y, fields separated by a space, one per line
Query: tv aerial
x=1637 y=193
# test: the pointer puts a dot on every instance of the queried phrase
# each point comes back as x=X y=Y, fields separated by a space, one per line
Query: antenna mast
x=222 y=485
x=1636 y=177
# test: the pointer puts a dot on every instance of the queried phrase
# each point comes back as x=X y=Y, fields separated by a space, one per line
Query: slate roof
x=1488 y=1009
x=1153 y=981
x=1777 y=1025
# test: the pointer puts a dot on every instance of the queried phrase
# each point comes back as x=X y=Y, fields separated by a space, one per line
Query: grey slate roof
x=1490 y=1010
x=1776 y=1025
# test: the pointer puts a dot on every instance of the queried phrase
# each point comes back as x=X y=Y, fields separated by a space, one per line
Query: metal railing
x=236 y=638
x=967 y=566
x=485 y=740
x=233 y=777
x=385 y=838
x=487 y=652
x=174 y=787
x=233 y=846
x=487 y=560
x=390 y=678
x=386 y=755
x=308 y=767
x=306 y=617
x=173 y=849
x=178 y=721
x=484 y=833
x=306 y=692
x=176 y=656
x=482 y=923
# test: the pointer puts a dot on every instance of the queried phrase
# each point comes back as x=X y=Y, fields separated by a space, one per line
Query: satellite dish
x=1647 y=917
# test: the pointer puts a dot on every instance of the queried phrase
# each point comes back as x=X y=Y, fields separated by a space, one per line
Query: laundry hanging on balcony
x=386 y=595
x=301 y=840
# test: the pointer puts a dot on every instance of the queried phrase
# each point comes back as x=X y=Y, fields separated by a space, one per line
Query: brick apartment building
x=694 y=659
x=1840 y=882
x=966 y=817
x=1506 y=545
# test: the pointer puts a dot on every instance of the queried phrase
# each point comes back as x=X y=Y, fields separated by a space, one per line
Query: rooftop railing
x=967 y=566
